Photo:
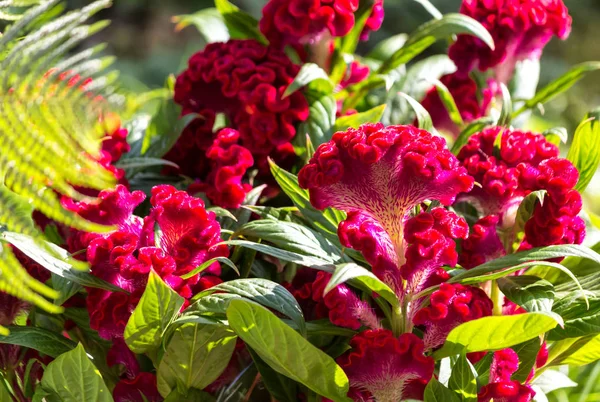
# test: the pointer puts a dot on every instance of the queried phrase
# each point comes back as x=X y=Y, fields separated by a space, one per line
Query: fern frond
x=51 y=125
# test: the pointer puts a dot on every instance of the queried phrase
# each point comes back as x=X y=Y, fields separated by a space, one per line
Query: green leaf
x=387 y=47
x=195 y=356
x=529 y=292
x=284 y=255
x=142 y=162
x=584 y=152
x=587 y=354
x=66 y=288
x=347 y=272
x=309 y=72
x=192 y=395
x=72 y=377
x=474 y=127
x=286 y=352
x=416 y=81
x=240 y=24
x=560 y=85
x=209 y=23
x=40 y=339
x=262 y=291
x=559 y=133
x=208 y=263
x=436 y=392
x=580 y=319
x=493 y=333
x=322 y=110
x=524 y=212
x=292 y=237
x=56 y=260
x=448 y=102
x=527 y=352
x=357 y=119
x=431 y=9
x=326 y=220
x=422 y=114
x=507 y=107
x=429 y=33
x=462 y=380
x=157 y=308
x=282 y=388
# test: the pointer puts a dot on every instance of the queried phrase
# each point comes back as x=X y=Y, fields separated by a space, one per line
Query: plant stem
x=397 y=321
x=496 y=297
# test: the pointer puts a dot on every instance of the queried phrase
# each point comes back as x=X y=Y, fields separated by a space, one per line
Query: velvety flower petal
x=119 y=353
x=450 y=306
x=382 y=172
x=294 y=22
x=188 y=232
x=483 y=243
x=501 y=388
x=387 y=367
x=520 y=29
x=374 y=21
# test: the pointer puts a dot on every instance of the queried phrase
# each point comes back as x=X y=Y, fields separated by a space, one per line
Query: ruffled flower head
x=388 y=368
x=524 y=162
x=501 y=388
x=341 y=306
x=188 y=233
x=378 y=174
x=246 y=81
x=296 y=22
x=483 y=243
x=450 y=306
x=520 y=29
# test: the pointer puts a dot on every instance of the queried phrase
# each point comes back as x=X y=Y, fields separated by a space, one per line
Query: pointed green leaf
x=584 y=152
x=196 y=355
x=462 y=380
x=209 y=23
x=494 y=333
x=40 y=339
x=308 y=73
x=72 y=377
x=157 y=308
x=240 y=24
x=436 y=392
x=357 y=119
x=286 y=352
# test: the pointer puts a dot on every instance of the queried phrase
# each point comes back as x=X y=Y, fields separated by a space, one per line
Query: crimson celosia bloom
x=466 y=96
x=389 y=368
x=142 y=388
x=501 y=388
x=341 y=306
x=188 y=233
x=450 y=306
x=483 y=243
x=520 y=29
x=294 y=22
x=245 y=80
x=378 y=174
x=374 y=21
x=228 y=164
x=524 y=162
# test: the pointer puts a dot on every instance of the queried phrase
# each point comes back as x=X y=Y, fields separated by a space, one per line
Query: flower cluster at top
x=520 y=30
x=243 y=81
x=297 y=22
x=381 y=177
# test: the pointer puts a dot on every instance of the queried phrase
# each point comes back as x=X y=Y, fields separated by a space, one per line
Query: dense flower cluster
x=524 y=162
x=245 y=81
x=341 y=306
x=189 y=235
x=296 y=22
x=520 y=29
x=387 y=367
x=450 y=306
x=378 y=174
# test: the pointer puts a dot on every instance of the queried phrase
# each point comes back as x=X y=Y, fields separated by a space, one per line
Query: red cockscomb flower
x=520 y=29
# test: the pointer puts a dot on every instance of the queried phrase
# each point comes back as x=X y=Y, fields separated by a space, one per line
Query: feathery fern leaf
x=52 y=124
